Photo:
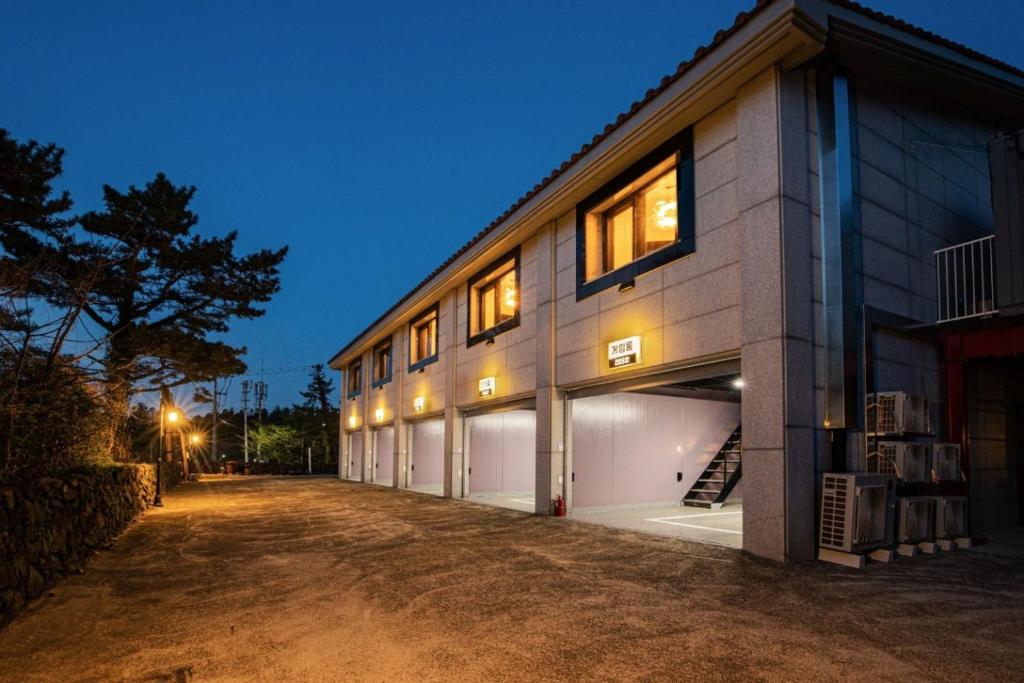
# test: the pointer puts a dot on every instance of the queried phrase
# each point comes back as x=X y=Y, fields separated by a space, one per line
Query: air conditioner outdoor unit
x=917 y=519
x=946 y=462
x=950 y=517
x=857 y=511
x=904 y=460
x=896 y=413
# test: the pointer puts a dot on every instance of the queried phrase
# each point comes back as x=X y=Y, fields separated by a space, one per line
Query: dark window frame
x=681 y=145
x=434 y=308
x=355 y=369
x=381 y=381
x=506 y=325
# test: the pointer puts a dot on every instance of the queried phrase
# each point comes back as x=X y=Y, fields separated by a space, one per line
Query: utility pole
x=261 y=403
x=246 y=388
x=213 y=446
x=218 y=394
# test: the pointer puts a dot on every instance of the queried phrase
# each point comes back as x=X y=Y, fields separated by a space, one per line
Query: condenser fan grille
x=870 y=514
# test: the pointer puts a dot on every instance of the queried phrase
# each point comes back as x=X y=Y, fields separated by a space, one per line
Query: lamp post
x=167 y=416
x=194 y=440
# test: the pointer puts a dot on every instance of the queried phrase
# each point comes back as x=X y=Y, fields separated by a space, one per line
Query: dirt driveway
x=315 y=579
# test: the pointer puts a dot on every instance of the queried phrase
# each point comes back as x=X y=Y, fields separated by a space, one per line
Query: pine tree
x=318 y=400
x=163 y=291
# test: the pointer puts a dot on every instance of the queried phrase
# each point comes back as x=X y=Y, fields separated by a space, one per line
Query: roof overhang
x=924 y=68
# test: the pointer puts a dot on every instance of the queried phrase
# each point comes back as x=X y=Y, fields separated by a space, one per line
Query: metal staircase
x=714 y=485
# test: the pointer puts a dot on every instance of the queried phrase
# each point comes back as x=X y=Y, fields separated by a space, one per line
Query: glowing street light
x=168 y=416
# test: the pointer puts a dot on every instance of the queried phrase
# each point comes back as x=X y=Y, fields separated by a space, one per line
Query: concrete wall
x=512 y=358
x=628 y=448
x=384 y=397
x=920 y=183
x=430 y=383
x=923 y=185
x=683 y=311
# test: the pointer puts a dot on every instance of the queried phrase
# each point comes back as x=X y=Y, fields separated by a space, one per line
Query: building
x=754 y=243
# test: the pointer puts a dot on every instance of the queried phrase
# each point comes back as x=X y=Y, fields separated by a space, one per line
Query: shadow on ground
x=317 y=579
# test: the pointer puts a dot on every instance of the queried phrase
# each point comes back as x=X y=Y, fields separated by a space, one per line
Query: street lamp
x=167 y=416
x=194 y=440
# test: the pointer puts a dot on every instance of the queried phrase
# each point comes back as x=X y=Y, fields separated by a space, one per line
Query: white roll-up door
x=384 y=456
x=427 y=445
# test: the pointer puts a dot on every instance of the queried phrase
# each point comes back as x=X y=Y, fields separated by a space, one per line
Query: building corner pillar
x=777 y=322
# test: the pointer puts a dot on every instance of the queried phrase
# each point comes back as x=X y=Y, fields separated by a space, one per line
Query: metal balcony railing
x=965 y=276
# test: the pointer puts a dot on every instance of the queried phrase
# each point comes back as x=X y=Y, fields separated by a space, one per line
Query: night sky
x=373 y=138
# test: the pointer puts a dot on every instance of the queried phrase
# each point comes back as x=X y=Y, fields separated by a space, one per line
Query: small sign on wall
x=624 y=352
x=487 y=387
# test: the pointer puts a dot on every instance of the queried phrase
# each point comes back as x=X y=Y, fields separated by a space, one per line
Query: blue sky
x=372 y=138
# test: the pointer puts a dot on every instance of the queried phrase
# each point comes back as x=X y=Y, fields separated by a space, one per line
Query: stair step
x=720 y=475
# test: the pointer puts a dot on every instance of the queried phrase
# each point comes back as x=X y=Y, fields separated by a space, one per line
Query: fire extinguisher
x=559 y=506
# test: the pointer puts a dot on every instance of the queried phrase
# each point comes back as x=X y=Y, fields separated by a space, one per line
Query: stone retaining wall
x=50 y=525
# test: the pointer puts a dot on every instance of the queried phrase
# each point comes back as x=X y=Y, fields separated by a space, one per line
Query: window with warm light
x=382 y=363
x=641 y=220
x=494 y=299
x=423 y=339
x=355 y=378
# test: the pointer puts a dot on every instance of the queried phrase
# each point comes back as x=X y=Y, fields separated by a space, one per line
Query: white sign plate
x=624 y=352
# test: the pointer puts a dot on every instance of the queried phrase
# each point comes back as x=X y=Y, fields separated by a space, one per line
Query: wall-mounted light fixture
x=627 y=285
x=419 y=403
x=737 y=383
x=486 y=387
x=378 y=415
x=353 y=421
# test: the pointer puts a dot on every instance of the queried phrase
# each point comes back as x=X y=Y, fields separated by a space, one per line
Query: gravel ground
x=316 y=579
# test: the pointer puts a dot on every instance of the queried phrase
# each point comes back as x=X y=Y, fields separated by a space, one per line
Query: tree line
x=101 y=307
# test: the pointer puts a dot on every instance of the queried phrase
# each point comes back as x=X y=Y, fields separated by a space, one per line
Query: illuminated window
x=382 y=363
x=355 y=378
x=494 y=299
x=423 y=339
x=639 y=221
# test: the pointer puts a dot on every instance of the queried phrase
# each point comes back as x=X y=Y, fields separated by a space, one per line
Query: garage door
x=384 y=456
x=631 y=449
x=355 y=455
x=502 y=454
x=426 y=442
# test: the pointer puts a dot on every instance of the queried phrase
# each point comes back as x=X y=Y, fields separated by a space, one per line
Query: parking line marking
x=696 y=526
x=701 y=514
x=668 y=520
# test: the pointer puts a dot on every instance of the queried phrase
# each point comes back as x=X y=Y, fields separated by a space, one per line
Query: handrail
x=965 y=280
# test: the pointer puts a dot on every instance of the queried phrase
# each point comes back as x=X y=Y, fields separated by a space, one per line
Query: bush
x=52 y=418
